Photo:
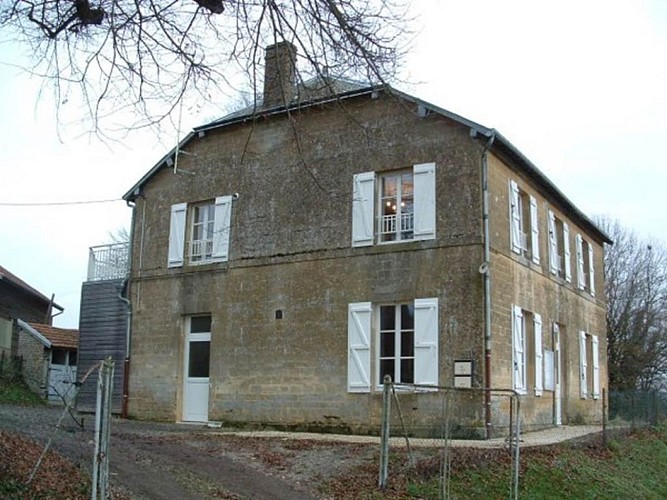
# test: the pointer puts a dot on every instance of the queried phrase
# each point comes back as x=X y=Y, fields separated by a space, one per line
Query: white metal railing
x=201 y=250
x=388 y=223
x=108 y=262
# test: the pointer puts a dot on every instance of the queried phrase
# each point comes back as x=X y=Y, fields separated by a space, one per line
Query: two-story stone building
x=286 y=257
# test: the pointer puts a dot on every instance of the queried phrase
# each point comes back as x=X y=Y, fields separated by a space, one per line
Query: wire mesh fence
x=416 y=417
x=11 y=367
x=636 y=409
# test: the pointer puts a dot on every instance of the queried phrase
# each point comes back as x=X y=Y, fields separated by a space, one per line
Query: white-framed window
x=559 y=247
x=527 y=351
x=404 y=338
x=589 y=365
x=394 y=206
x=585 y=265
x=207 y=236
x=524 y=226
x=397 y=343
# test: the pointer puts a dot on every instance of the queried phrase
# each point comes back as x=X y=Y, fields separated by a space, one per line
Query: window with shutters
x=585 y=267
x=404 y=338
x=394 y=206
x=397 y=338
x=524 y=227
x=559 y=247
x=589 y=365
x=527 y=352
x=199 y=233
x=396 y=215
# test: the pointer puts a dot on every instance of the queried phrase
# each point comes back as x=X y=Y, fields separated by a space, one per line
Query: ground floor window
x=400 y=340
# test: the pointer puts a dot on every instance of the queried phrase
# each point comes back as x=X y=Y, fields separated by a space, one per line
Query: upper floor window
x=201 y=235
x=396 y=211
x=394 y=206
x=208 y=232
x=585 y=268
x=524 y=229
x=559 y=247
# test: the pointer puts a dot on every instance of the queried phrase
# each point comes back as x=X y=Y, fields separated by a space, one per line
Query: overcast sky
x=580 y=87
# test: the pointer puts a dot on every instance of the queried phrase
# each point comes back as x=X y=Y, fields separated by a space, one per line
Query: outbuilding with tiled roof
x=49 y=357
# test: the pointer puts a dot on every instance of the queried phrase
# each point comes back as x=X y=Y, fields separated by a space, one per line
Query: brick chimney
x=279 y=74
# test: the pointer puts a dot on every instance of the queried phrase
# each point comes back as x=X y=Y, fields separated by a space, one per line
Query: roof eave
x=41 y=338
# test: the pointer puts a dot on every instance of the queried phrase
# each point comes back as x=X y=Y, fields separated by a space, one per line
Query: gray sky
x=580 y=87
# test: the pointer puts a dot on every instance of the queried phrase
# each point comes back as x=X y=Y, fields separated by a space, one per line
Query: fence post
x=384 y=440
x=100 y=487
x=517 y=440
x=604 y=417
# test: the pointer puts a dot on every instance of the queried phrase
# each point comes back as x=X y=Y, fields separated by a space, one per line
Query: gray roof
x=320 y=91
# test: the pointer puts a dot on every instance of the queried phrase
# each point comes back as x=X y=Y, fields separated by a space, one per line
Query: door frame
x=192 y=383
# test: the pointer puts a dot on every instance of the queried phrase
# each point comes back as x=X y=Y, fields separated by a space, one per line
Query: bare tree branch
x=149 y=55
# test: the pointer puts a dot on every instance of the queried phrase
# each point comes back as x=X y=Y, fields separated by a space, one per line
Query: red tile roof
x=59 y=337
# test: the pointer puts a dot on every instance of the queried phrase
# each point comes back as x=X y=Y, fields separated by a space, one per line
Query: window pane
x=72 y=358
x=407 y=317
x=387 y=368
x=407 y=371
x=200 y=324
x=389 y=186
x=198 y=363
x=407 y=185
x=387 y=344
x=387 y=318
x=58 y=356
x=407 y=344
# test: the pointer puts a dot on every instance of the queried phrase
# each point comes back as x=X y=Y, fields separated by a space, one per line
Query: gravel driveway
x=170 y=461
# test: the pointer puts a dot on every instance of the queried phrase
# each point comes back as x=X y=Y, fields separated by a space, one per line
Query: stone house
x=286 y=257
x=49 y=360
x=20 y=300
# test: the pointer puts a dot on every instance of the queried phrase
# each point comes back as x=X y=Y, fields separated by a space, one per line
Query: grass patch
x=16 y=392
x=631 y=466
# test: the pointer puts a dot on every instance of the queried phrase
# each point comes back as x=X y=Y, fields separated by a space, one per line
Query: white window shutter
x=553 y=244
x=221 y=228
x=591 y=271
x=535 y=231
x=518 y=350
x=566 y=252
x=362 y=209
x=539 y=355
x=515 y=218
x=426 y=341
x=581 y=280
x=359 y=347
x=424 y=201
x=596 y=366
x=583 y=365
x=177 y=235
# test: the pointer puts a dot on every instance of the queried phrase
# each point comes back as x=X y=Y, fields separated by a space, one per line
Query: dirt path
x=160 y=461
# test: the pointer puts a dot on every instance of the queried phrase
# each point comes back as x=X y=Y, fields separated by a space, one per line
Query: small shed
x=49 y=360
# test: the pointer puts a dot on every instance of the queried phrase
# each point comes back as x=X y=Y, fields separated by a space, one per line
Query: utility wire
x=55 y=203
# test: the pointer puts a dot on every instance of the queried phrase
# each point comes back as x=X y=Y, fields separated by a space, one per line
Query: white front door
x=557 y=376
x=196 y=376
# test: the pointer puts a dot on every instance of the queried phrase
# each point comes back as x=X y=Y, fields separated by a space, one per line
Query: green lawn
x=631 y=466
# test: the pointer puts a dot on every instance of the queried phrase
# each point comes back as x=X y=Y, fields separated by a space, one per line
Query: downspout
x=128 y=304
x=485 y=269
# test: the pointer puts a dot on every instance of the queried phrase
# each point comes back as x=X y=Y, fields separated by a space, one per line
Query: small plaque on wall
x=463 y=373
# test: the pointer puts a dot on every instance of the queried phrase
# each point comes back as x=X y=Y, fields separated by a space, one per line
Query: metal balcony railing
x=109 y=262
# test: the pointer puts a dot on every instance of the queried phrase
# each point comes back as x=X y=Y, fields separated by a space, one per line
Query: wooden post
x=604 y=417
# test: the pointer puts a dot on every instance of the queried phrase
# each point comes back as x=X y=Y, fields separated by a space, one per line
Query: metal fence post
x=100 y=487
x=384 y=440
